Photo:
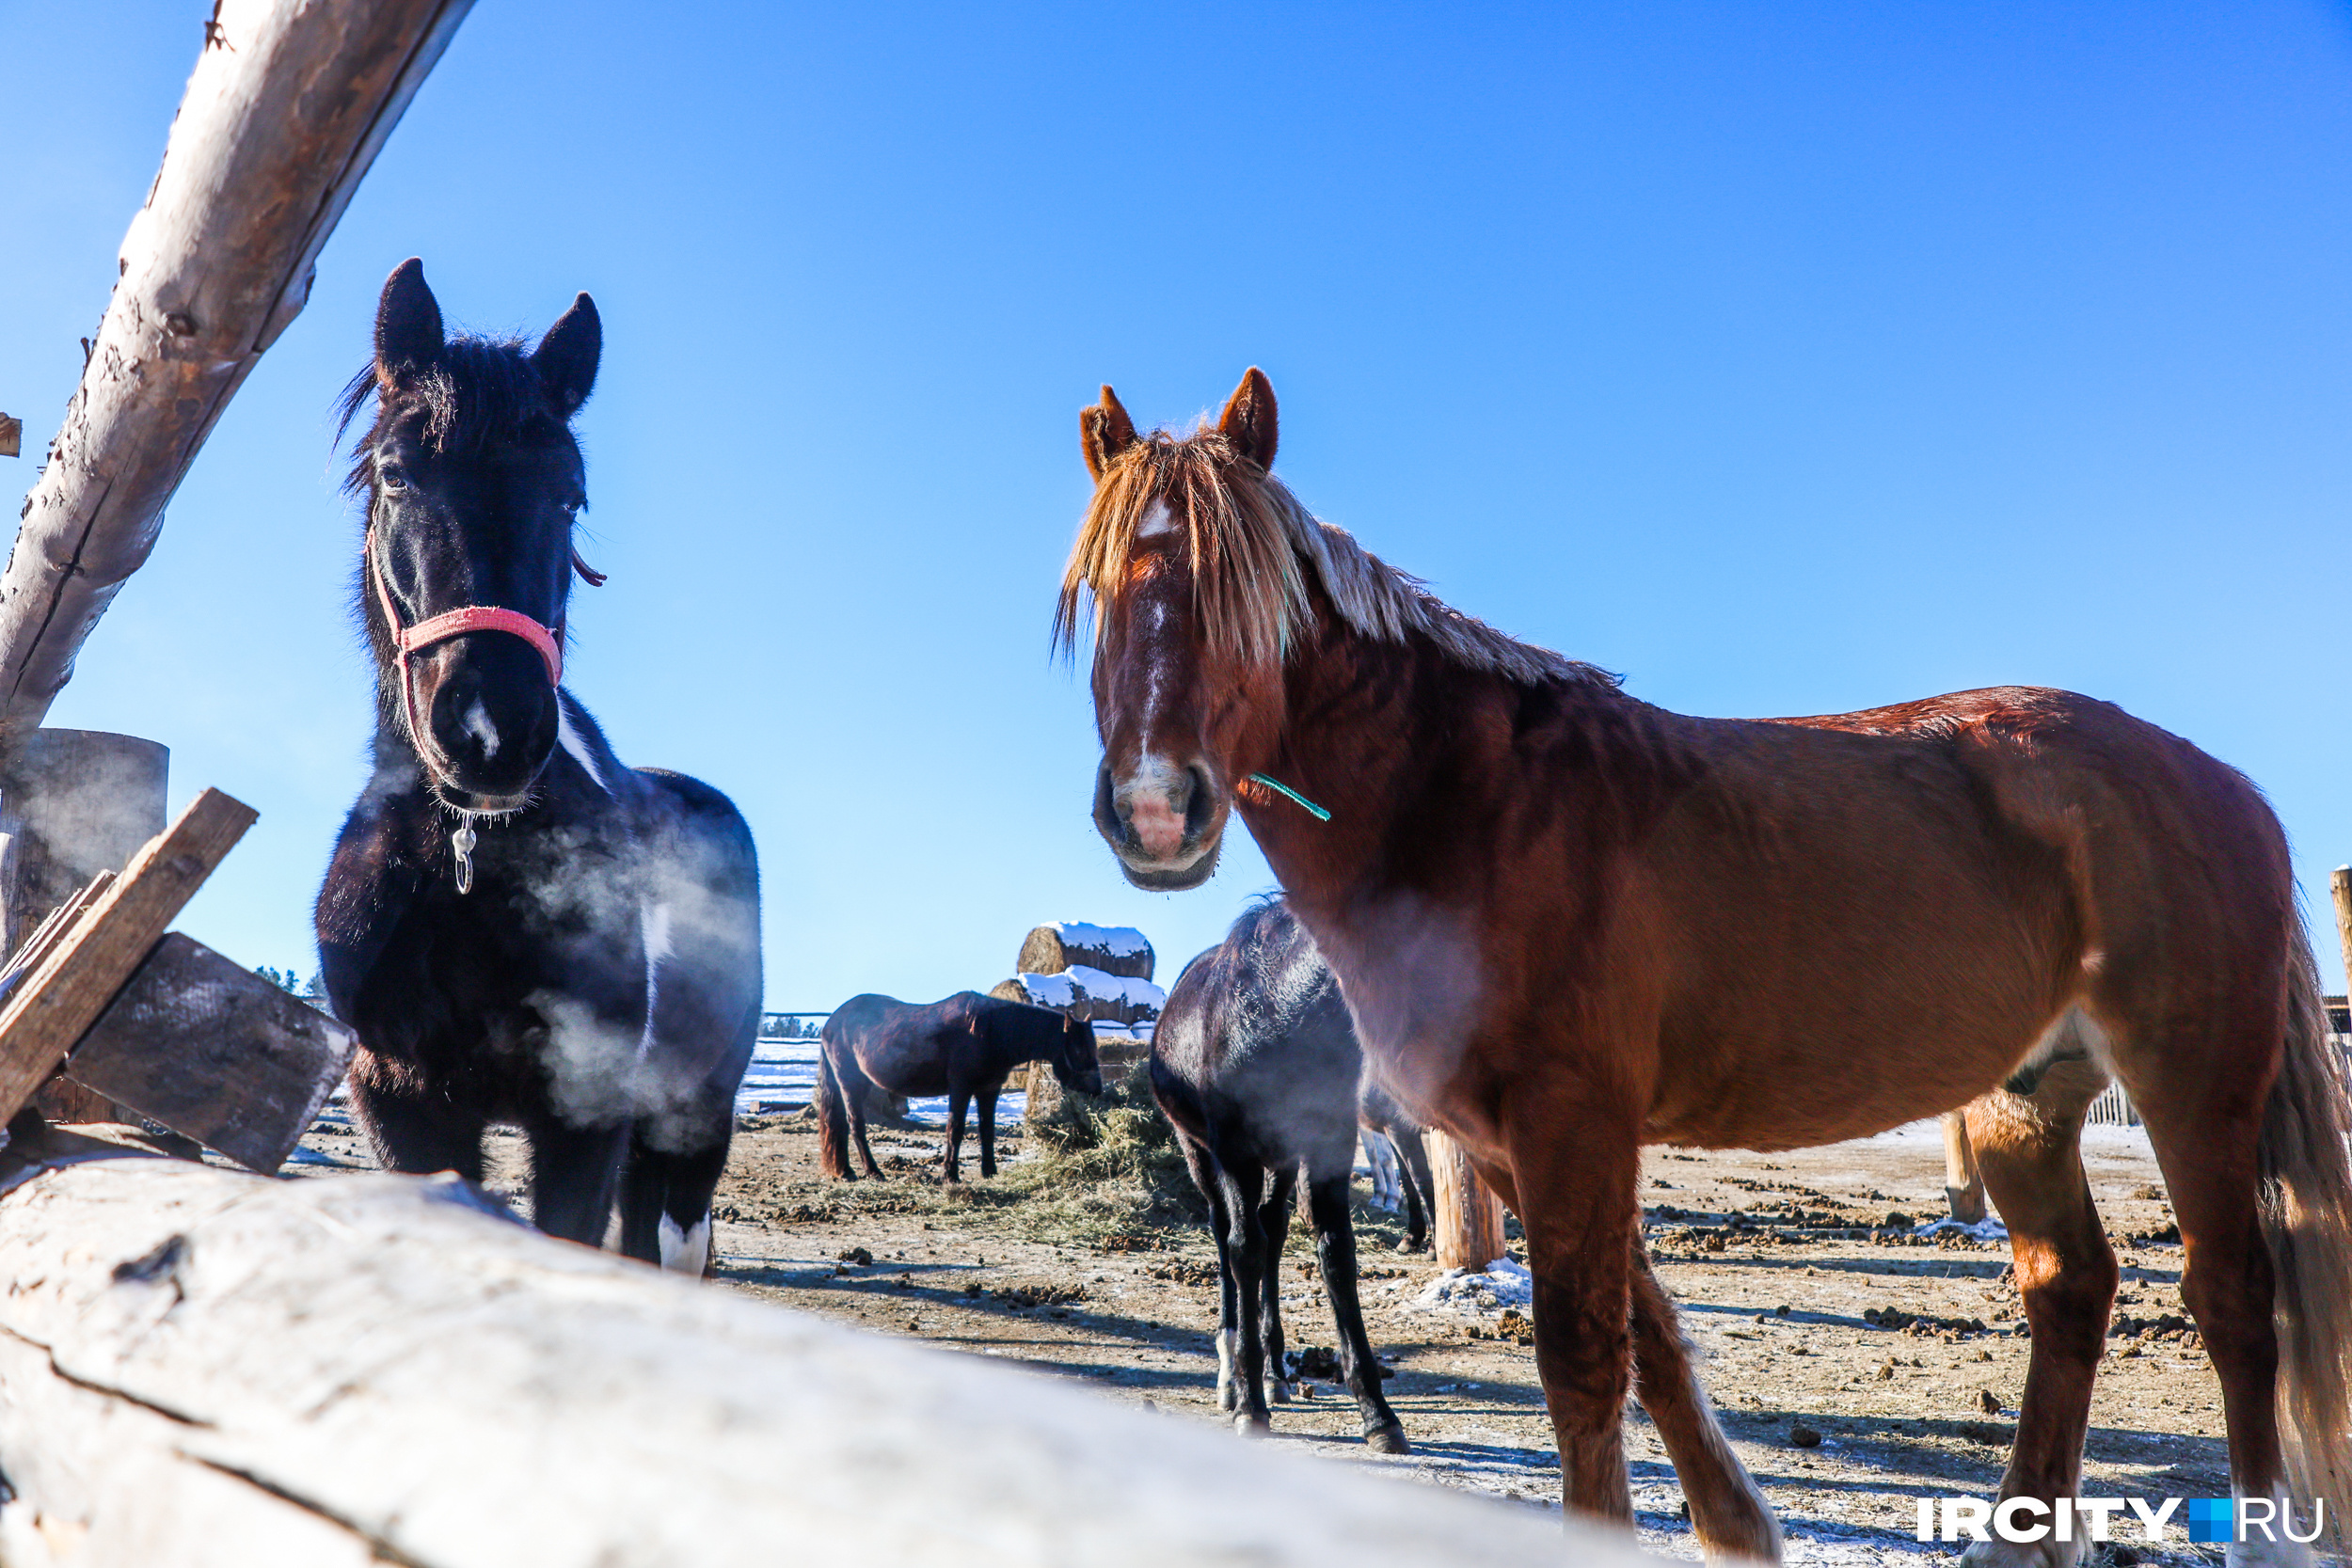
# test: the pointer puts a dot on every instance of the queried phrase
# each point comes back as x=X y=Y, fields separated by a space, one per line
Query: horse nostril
x=1109 y=821
x=1199 y=802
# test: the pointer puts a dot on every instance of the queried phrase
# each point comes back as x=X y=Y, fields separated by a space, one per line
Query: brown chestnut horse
x=1570 y=923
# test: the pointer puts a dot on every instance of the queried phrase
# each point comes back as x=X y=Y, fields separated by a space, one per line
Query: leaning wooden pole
x=200 y=1369
x=289 y=102
x=2340 y=884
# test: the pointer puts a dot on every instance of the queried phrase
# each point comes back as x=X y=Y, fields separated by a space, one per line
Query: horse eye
x=391 y=478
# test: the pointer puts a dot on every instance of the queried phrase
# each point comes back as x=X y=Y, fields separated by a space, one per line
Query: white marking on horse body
x=653 y=929
x=569 y=739
x=478 y=725
x=685 y=1251
x=1228 y=1344
x=1155 y=520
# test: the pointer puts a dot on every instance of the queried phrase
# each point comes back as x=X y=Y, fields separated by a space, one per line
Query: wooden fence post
x=2340 y=883
x=1468 y=1220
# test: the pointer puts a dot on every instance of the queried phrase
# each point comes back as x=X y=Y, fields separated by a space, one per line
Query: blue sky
x=1788 y=358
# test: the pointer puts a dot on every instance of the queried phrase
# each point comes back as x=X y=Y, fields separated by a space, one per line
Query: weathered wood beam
x=54 y=1002
x=199 y=1367
x=289 y=104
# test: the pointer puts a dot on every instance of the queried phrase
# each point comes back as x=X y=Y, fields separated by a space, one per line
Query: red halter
x=410 y=641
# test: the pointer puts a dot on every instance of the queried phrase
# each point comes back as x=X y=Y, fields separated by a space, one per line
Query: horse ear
x=1105 y=431
x=1248 y=419
x=407 y=322
x=566 y=356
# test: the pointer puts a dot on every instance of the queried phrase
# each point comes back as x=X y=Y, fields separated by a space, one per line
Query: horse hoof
x=1279 y=1392
x=1253 y=1426
x=1387 y=1440
x=1227 y=1397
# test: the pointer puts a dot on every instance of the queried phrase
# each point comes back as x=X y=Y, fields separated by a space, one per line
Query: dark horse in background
x=963 y=1047
x=521 y=930
x=1255 y=1065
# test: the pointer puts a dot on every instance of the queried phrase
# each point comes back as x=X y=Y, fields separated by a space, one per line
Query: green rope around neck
x=1281 y=789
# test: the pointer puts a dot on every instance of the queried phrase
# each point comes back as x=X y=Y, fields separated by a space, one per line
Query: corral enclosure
x=1820 y=1307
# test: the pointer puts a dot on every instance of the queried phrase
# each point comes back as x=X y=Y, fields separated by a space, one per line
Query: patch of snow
x=1988 y=1228
x=1119 y=942
x=1050 y=991
x=1504 y=1282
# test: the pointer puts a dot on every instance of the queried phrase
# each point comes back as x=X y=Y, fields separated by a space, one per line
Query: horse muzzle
x=1165 y=823
x=490 y=722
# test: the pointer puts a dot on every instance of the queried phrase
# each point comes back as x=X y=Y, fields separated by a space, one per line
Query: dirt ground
x=1855 y=1374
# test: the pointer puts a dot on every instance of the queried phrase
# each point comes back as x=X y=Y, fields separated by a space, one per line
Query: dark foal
x=963 y=1047
x=519 y=928
x=1255 y=1065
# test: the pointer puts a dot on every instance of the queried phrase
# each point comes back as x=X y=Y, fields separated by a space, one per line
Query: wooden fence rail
x=201 y=1368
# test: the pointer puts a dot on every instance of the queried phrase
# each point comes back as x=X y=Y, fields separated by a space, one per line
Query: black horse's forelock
x=476 y=392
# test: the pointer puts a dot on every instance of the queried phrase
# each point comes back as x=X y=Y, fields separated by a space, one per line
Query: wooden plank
x=11 y=437
x=55 y=1004
x=197 y=1366
x=1468 y=1222
x=52 y=931
x=288 y=105
x=210 y=1049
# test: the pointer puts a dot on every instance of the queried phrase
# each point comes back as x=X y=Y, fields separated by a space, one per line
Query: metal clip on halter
x=463 y=841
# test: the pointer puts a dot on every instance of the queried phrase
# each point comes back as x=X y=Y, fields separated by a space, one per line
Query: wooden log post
x=1468 y=1219
x=200 y=1369
x=72 y=804
x=58 y=997
x=2340 y=885
x=1964 y=1183
x=288 y=105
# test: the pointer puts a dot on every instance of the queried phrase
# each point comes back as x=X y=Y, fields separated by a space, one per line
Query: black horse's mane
x=478 y=392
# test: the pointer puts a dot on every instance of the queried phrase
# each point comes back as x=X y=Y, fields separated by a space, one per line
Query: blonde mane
x=1254 y=547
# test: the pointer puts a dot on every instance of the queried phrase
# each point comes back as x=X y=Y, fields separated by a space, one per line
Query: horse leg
x=1274 y=1223
x=1420 y=1188
x=988 y=1128
x=2029 y=1151
x=959 y=1102
x=1243 y=1182
x=1210 y=1182
x=665 y=1205
x=2206 y=1128
x=411 y=1128
x=1580 y=1210
x=854 y=1086
x=1964 y=1184
x=574 y=1172
x=1335 y=1254
x=1730 y=1515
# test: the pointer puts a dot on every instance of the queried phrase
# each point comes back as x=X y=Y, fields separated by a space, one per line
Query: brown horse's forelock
x=1254 y=549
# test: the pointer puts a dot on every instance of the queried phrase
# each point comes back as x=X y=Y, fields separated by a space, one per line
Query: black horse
x=521 y=930
x=1255 y=1064
x=963 y=1047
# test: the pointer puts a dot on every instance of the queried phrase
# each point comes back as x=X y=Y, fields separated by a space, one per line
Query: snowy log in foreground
x=201 y=1366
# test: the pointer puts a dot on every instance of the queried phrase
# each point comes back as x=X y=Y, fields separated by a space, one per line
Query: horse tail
x=833 y=1117
x=2307 y=1222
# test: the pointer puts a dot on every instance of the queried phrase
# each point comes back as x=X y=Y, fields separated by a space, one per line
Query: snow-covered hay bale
x=1072 y=943
x=1083 y=991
